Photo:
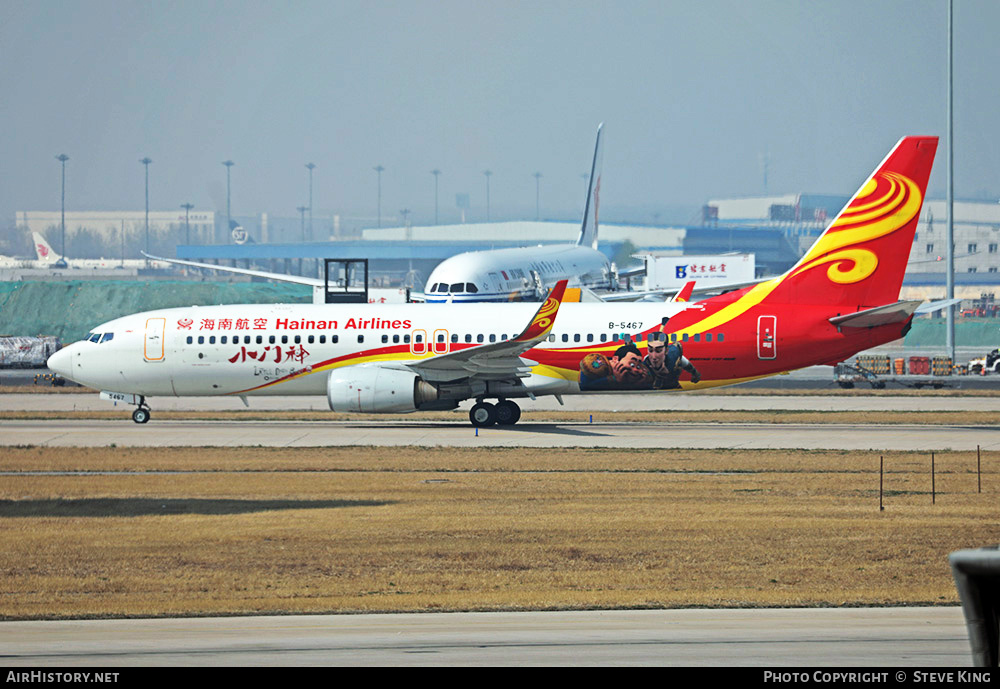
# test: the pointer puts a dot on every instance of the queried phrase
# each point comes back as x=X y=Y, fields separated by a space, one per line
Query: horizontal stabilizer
x=880 y=315
x=932 y=306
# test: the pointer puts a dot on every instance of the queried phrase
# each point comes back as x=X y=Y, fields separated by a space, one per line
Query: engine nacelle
x=375 y=389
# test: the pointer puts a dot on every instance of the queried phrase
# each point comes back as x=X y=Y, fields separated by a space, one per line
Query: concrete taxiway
x=394 y=432
x=855 y=637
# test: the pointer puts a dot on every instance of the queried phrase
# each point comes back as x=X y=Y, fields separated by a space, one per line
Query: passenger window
x=468 y=338
x=493 y=338
x=385 y=339
x=440 y=338
x=418 y=338
x=697 y=337
x=684 y=337
x=201 y=339
x=311 y=339
x=604 y=337
x=211 y=340
x=454 y=337
x=479 y=337
x=190 y=340
x=565 y=337
x=673 y=337
x=406 y=339
x=552 y=338
x=334 y=339
x=298 y=339
x=271 y=339
x=223 y=339
x=395 y=339
x=361 y=339
x=708 y=337
x=576 y=337
x=720 y=337
x=322 y=339
x=284 y=339
x=590 y=337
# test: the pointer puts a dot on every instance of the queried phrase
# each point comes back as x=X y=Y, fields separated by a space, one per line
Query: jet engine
x=374 y=388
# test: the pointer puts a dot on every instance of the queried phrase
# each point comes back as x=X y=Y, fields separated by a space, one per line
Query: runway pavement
x=691 y=401
x=394 y=432
x=854 y=637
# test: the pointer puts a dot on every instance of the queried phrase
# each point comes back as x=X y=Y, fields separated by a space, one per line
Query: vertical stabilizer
x=588 y=231
x=43 y=251
x=859 y=261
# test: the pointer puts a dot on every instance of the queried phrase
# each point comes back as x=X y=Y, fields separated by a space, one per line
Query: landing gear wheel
x=483 y=414
x=140 y=415
x=508 y=413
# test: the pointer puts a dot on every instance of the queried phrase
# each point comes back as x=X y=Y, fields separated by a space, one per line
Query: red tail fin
x=860 y=260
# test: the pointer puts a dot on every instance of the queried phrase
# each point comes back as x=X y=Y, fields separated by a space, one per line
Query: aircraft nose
x=61 y=362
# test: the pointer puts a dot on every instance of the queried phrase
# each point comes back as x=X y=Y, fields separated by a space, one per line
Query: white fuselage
x=521 y=274
x=288 y=349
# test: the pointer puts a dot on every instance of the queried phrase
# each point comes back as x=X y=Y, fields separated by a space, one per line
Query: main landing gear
x=504 y=413
x=142 y=412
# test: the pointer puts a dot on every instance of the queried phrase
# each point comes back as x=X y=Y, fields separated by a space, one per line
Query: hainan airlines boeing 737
x=839 y=299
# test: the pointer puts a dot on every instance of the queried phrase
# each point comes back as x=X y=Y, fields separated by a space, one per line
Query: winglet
x=545 y=317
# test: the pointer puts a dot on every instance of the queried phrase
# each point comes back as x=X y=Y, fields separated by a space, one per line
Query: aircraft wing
x=668 y=292
x=280 y=277
x=497 y=360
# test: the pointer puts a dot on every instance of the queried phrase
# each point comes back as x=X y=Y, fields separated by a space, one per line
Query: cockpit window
x=443 y=287
x=95 y=337
x=458 y=287
x=471 y=288
x=106 y=337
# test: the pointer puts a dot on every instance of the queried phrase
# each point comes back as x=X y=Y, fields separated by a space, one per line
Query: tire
x=508 y=413
x=140 y=415
x=483 y=414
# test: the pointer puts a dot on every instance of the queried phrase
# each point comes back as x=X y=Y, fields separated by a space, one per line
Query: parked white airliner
x=502 y=275
x=48 y=258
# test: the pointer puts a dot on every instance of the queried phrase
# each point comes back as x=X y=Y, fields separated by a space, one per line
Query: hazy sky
x=692 y=93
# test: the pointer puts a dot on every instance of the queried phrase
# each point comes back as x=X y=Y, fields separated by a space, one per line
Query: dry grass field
x=139 y=532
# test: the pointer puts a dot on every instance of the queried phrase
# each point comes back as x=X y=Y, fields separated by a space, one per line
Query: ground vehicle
x=987 y=364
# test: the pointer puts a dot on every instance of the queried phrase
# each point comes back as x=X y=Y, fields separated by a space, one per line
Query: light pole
x=537 y=176
x=435 y=173
x=950 y=247
x=187 y=225
x=146 y=161
x=302 y=213
x=229 y=217
x=62 y=158
x=310 y=167
x=378 y=169
x=488 y=174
